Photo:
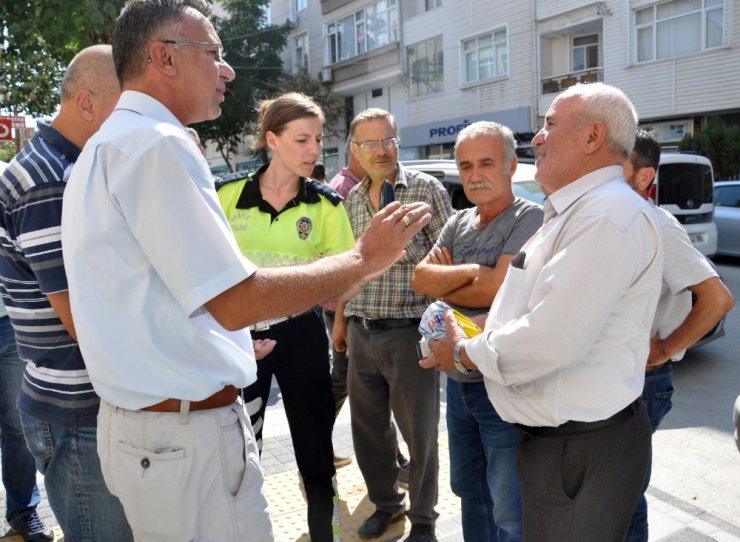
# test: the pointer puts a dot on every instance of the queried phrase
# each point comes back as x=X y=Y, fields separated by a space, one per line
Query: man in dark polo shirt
x=58 y=406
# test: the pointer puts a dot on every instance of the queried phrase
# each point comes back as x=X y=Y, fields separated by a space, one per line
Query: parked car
x=727 y=217
x=447 y=173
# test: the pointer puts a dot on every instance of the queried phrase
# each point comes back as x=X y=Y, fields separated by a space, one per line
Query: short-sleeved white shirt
x=684 y=266
x=146 y=245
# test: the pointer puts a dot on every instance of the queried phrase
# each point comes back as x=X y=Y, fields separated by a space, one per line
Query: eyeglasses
x=219 y=53
x=374 y=144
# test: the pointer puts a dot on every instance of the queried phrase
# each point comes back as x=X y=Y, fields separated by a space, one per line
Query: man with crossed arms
x=465 y=268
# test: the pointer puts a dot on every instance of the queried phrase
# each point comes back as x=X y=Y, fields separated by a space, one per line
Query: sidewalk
x=671 y=520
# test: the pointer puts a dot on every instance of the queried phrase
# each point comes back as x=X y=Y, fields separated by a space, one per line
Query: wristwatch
x=456 y=358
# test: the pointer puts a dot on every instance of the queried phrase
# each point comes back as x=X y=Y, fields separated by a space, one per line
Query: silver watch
x=456 y=358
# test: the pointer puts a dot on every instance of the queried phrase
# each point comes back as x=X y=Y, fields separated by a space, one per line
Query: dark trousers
x=300 y=363
x=384 y=376
x=657 y=394
x=338 y=367
x=584 y=487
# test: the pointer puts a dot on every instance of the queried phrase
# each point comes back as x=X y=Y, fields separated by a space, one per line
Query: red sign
x=19 y=121
x=6 y=132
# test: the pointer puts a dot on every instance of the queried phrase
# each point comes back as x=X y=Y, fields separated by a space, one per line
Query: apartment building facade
x=439 y=65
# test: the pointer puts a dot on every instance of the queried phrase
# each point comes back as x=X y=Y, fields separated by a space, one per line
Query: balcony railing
x=557 y=83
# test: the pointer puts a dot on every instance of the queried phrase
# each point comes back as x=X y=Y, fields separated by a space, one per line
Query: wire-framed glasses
x=219 y=52
x=374 y=144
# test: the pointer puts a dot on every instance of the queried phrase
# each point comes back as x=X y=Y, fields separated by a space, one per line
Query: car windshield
x=686 y=185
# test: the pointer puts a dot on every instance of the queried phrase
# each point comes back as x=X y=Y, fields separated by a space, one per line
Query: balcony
x=557 y=83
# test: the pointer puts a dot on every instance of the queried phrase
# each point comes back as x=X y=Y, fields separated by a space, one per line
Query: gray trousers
x=384 y=376
x=584 y=486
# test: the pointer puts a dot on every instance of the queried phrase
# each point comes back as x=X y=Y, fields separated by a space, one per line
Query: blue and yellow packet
x=432 y=325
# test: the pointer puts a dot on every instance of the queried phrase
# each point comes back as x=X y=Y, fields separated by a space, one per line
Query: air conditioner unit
x=325 y=75
x=292 y=19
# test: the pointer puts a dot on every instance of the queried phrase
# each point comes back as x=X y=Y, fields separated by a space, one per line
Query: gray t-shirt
x=505 y=234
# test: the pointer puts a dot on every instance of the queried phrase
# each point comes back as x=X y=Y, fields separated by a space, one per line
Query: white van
x=684 y=186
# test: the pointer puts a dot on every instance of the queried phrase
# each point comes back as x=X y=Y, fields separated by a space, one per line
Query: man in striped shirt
x=57 y=403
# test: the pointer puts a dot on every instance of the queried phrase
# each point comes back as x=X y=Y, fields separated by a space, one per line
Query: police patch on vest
x=304 y=227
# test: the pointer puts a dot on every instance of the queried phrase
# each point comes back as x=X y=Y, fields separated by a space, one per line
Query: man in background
x=381 y=332
x=678 y=324
x=344 y=181
x=57 y=403
x=19 y=470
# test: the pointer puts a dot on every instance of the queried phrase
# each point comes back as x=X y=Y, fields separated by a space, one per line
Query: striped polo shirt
x=56 y=387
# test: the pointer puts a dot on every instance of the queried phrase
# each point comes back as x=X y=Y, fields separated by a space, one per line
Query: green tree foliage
x=7 y=151
x=332 y=105
x=41 y=37
x=252 y=48
x=720 y=143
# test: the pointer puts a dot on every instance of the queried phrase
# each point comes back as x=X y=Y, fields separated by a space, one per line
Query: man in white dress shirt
x=564 y=347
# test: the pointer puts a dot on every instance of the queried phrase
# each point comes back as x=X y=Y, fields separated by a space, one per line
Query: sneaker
x=421 y=532
x=403 y=474
x=32 y=529
x=340 y=461
x=377 y=524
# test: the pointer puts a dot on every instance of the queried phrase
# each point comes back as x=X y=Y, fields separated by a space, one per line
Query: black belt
x=386 y=323
x=581 y=427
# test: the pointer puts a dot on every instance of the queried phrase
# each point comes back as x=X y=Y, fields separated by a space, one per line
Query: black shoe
x=376 y=524
x=32 y=529
x=421 y=532
x=403 y=474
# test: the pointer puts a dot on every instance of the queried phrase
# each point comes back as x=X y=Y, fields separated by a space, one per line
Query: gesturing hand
x=389 y=231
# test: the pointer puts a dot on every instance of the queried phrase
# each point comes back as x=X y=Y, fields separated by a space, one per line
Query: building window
x=426 y=67
x=367 y=29
x=486 y=56
x=431 y=4
x=300 y=52
x=678 y=27
x=585 y=52
x=299 y=5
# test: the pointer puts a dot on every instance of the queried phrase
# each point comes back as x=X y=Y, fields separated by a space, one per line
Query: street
x=696 y=465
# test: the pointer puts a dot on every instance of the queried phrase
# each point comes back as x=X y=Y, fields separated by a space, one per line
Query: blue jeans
x=68 y=459
x=657 y=397
x=19 y=469
x=483 y=470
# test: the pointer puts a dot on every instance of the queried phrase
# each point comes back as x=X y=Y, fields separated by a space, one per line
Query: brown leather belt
x=221 y=398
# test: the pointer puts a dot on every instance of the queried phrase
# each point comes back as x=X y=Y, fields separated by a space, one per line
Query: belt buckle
x=365 y=322
x=262 y=326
